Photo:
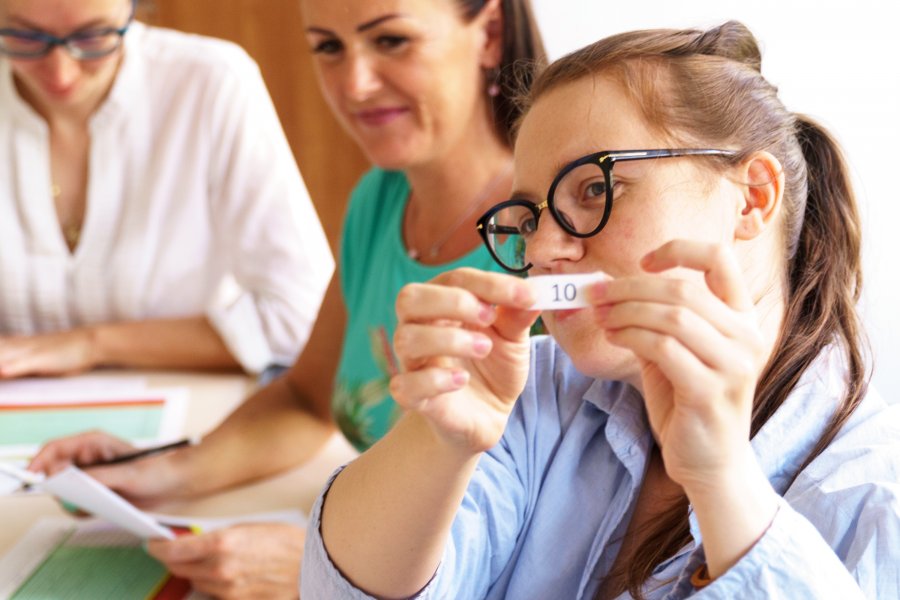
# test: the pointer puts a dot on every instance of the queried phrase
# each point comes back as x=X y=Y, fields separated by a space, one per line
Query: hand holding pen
x=143 y=453
x=143 y=476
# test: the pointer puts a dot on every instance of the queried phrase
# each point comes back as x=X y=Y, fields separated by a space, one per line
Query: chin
x=592 y=354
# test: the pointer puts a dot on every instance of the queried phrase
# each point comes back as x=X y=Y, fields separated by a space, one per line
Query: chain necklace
x=432 y=251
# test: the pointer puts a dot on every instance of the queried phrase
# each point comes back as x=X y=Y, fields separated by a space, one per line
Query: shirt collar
x=627 y=429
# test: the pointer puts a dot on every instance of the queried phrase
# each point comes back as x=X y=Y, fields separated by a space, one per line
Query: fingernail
x=481 y=345
x=598 y=290
x=69 y=507
x=459 y=378
x=524 y=296
x=487 y=314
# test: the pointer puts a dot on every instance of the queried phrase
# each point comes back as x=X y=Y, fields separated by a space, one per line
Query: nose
x=550 y=246
x=61 y=69
x=361 y=78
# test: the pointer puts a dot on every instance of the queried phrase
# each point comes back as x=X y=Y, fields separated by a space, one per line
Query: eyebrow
x=523 y=195
x=90 y=24
x=360 y=28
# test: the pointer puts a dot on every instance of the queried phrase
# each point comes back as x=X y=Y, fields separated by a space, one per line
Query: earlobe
x=763 y=179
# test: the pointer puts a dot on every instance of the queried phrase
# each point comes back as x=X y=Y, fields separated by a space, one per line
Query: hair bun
x=731 y=40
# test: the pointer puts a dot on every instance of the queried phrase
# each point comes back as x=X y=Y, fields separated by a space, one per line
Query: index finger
x=717 y=262
x=82 y=448
x=501 y=289
x=463 y=295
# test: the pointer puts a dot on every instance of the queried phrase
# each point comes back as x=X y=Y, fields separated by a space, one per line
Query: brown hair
x=705 y=87
x=522 y=56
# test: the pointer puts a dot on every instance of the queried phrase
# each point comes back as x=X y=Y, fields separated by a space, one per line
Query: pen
x=122 y=458
x=26 y=477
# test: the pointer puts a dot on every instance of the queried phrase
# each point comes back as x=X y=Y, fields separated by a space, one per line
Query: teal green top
x=374 y=266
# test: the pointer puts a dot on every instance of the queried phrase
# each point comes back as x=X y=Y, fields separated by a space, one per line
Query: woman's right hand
x=462 y=340
x=145 y=481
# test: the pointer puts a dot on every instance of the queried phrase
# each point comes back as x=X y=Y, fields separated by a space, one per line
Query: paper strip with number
x=558 y=292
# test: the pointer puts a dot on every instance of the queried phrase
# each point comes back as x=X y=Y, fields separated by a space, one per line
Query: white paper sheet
x=558 y=292
x=171 y=421
x=77 y=487
x=43 y=386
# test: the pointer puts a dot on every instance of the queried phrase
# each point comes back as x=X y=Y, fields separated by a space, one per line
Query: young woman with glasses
x=702 y=427
x=152 y=214
x=426 y=89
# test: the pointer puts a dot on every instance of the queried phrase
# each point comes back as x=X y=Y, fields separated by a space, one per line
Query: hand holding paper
x=77 y=487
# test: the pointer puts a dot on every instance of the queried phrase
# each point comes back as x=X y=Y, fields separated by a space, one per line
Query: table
x=212 y=397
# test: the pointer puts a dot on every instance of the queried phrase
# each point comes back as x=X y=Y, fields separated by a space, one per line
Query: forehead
x=351 y=13
x=574 y=119
x=62 y=14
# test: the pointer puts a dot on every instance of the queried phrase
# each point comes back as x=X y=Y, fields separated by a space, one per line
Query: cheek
x=624 y=241
x=24 y=69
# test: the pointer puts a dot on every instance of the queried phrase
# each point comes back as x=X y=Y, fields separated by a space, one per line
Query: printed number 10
x=568 y=292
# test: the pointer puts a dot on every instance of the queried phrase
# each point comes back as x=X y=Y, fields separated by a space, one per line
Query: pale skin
x=66 y=92
x=688 y=319
x=419 y=59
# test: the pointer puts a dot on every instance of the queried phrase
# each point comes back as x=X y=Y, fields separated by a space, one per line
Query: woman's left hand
x=701 y=351
x=63 y=353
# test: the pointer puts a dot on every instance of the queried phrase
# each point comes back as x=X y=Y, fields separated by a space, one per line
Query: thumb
x=513 y=324
x=188 y=548
x=121 y=478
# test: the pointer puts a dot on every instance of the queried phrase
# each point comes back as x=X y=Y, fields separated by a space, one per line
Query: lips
x=378 y=117
x=59 y=92
x=562 y=315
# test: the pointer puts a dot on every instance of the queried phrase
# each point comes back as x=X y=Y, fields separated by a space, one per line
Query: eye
x=595 y=190
x=527 y=224
x=391 y=42
x=328 y=47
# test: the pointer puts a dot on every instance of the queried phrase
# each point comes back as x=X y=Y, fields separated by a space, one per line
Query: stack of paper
x=34 y=411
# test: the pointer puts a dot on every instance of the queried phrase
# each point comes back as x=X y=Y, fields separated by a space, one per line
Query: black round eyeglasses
x=580 y=200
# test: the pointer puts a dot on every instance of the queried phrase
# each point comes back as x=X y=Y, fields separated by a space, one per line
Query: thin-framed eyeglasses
x=89 y=44
x=580 y=200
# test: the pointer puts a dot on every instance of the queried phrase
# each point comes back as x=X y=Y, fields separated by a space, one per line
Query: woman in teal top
x=375 y=265
x=426 y=88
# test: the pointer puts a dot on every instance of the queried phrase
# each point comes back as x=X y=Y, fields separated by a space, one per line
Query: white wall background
x=837 y=61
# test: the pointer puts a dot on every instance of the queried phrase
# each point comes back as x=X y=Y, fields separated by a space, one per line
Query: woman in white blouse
x=151 y=212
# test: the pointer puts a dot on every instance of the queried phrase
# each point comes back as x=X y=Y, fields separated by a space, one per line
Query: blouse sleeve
x=482 y=537
x=497 y=504
x=837 y=531
x=265 y=224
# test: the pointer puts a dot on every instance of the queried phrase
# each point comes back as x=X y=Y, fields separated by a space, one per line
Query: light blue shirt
x=544 y=515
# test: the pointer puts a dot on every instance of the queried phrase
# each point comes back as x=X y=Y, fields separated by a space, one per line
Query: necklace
x=432 y=251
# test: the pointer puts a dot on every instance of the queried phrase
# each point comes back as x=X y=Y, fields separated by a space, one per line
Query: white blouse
x=195 y=206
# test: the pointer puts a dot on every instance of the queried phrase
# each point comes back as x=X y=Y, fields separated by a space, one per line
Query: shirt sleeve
x=482 y=537
x=265 y=224
x=486 y=528
x=837 y=531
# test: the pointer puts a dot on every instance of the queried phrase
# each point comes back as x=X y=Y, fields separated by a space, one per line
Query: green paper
x=96 y=573
x=29 y=425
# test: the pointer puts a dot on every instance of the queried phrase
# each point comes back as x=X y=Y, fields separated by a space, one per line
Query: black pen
x=122 y=458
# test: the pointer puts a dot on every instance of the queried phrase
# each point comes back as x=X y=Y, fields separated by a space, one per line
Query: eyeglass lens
x=88 y=45
x=579 y=200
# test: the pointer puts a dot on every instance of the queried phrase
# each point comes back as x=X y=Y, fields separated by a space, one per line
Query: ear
x=763 y=191
x=490 y=18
